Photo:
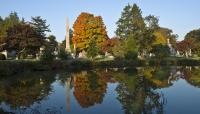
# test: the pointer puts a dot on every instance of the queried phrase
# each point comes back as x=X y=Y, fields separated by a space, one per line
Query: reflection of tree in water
x=137 y=92
x=22 y=91
x=158 y=76
x=192 y=75
x=89 y=88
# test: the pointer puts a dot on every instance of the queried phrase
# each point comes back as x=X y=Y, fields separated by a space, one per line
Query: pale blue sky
x=179 y=15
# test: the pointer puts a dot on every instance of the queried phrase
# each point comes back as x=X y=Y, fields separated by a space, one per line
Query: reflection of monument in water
x=68 y=85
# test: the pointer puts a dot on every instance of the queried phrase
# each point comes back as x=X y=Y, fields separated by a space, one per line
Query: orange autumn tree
x=87 y=27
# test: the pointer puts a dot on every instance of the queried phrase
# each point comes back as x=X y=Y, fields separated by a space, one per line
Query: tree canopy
x=22 y=38
x=87 y=27
x=40 y=26
x=130 y=22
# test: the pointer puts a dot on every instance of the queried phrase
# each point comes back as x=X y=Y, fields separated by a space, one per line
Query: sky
x=181 y=16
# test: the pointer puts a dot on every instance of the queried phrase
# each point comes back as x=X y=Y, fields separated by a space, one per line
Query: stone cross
x=67 y=48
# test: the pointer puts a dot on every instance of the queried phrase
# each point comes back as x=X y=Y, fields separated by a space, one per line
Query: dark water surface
x=149 y=90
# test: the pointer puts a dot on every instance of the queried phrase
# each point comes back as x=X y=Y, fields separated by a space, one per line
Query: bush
x=161 y=51
x=81 y=64
x=2 y=56
x=48 y=55
x=188 y=62
x=131 y=56
x=63 y=55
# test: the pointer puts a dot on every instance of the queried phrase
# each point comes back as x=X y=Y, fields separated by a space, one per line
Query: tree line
x=25 y=38
x=136 y=36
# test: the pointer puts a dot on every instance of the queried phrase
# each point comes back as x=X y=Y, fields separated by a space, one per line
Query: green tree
x=151 y=22
x=118 y=50
x=161 y=51
x=47 y=55
x=8 y=22
x=40 y=26
x=63 y=55
x=130 y=48
x=1 y=21
x=51 y=42
x=130 y=22
x=194 y=34
x=93 y=49
x=166 y=34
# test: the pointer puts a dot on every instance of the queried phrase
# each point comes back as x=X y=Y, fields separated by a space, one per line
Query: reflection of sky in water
x=180 y=98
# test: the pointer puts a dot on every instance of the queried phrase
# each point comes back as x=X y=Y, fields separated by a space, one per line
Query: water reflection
x=137 y=90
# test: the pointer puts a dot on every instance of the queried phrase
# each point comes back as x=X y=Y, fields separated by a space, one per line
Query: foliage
x=25 y=89
x=118 y=50
x=151 y=22
x=194 y=37
x=89 y=86
x=136 y=93
x=130 y=48
x=195 y=34
x=166 y=34
x=51 y=42
x=63 y=55
x=161 y=51
x=22 y=38
x=47 y=55
x=93 y=49
x=109 y=45
x=8 y=22
x=87 y=27
x=186 y=45
x=40 y=26
x=130 y=22
x=2 y=57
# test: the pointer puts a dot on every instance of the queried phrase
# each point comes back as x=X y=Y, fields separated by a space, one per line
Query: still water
x=145 y=90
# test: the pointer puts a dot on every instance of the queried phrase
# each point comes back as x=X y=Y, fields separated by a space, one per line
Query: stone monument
x=67 y=48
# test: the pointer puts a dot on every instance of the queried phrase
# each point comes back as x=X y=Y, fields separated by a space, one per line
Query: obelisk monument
x=67 y=48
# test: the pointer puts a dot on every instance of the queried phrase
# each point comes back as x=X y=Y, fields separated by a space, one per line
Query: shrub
x=2 y=56
x=161 y=51
x=131 y=56
x=63 y=55
x=81 y=64
x=48 y=55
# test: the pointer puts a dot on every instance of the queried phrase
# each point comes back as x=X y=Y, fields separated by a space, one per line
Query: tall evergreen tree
x=130 y=22
x=8 y=22
x=40 y=26
x=152 y=22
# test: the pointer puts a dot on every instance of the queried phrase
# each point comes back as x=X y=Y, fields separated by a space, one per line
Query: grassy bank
x=11 y=67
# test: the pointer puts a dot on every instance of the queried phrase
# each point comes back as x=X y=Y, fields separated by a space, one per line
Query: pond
x=143 y=90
